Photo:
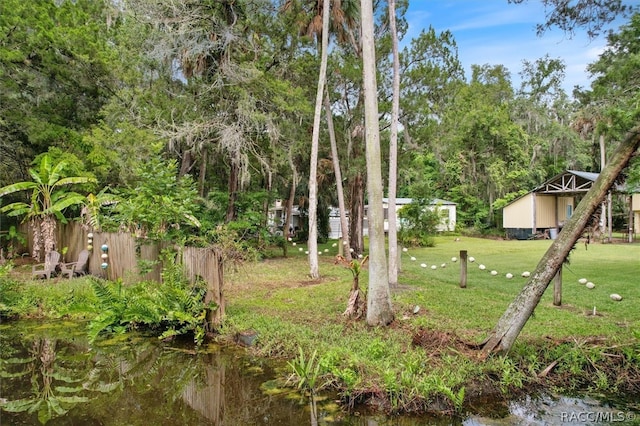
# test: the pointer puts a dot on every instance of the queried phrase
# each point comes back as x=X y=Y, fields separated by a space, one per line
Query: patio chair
x=48 y=268
x=77 y=268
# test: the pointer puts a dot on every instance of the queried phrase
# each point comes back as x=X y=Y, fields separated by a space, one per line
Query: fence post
x=463 y=269
x=557 y=288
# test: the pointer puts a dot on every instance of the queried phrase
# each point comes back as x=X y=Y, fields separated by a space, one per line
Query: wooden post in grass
x=463 y=269
x=399 y=258
x=557 y=288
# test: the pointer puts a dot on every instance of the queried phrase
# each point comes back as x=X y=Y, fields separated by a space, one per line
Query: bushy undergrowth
x=171 y=308
x=9 y=291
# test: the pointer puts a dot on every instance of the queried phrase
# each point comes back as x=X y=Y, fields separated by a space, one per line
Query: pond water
x=49 y=374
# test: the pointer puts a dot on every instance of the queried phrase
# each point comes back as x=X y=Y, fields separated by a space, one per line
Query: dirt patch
x=21 y=261
x=311 y=282
x=402 y=287
x=438 y=343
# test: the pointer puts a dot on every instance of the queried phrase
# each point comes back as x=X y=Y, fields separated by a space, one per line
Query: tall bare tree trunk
x=630 y=226
x=312 y=243
x=233 y=186
x=356 y=213
x=603 y=162
x=379 y=309
x=393 y=150
x=203 y=172
x=289 y=209
x=186 y=163
x=344 y=226
x=517 y=314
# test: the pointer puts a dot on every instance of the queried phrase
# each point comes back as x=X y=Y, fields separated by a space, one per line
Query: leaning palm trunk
x=515 y=317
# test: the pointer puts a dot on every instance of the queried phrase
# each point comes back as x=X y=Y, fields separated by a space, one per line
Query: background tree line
x=209 y=103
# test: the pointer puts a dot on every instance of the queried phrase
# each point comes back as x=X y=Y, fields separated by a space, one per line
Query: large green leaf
x=16 y=209
x=19 y=405
x=7 y=375
x=17 y=187
x=72 y=399
x=72 y=181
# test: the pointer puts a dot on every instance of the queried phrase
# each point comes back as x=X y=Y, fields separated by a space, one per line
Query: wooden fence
x=132 y=259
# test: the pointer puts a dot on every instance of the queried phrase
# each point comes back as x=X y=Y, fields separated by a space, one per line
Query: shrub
x=418 y=224
x=9 y=291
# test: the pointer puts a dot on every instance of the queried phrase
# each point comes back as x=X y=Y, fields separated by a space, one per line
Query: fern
x=107 y=297
x=175 y=307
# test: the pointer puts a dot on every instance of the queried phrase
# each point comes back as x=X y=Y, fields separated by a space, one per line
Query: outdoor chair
x=48 y=268
x=77 y=268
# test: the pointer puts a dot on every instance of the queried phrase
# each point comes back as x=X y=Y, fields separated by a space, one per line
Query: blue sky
x=496 y=32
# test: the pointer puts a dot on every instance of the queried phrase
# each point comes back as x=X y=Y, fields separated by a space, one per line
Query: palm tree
x=48 y=200
x=379 y=309
x=316 y=22
x=313 y=184
x=393 y=150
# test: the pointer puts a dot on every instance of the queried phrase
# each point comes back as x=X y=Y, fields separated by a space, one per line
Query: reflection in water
x=53 y=388
x=50 y=375
x=207 y=398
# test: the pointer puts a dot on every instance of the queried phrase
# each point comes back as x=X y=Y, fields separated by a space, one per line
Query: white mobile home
x=447 y=210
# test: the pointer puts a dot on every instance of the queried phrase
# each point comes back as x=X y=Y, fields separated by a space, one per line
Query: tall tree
x=483 y=150
x=54 y=77
x=315 y=141
x=222 y=102
x=341 y=23
x=393 y=149
x=615 y=88
x=344 y=225
x=379 y=309
x=432 y=77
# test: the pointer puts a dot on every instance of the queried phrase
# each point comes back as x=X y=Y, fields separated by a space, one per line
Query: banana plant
x=48 y=199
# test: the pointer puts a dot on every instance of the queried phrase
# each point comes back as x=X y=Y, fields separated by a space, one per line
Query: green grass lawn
x=280 y=286
x=611 y=267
